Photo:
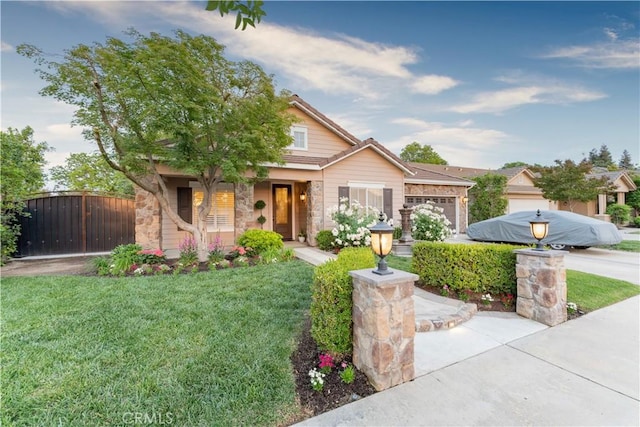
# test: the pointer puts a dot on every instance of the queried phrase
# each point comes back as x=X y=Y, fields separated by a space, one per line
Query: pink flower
x=326 y=361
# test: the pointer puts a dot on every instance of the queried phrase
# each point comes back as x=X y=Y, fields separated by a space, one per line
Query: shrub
x=331 y=305
x=325 y=239
x=215 y=250
x=397 y=233
x=123 y=257
x=188 y=252
x=261 y=240
x=101 y=265
x=429 y=223
x=151 y=256
x=352 y=222
x=466 y=267
x=636 y=221
x=620 y=214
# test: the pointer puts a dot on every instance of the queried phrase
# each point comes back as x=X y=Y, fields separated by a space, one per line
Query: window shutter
x=343 y=192
x=387 y=201
x=185 y=204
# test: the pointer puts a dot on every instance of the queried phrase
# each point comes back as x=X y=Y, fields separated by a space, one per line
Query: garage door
x=518 y=205
x=446 y=203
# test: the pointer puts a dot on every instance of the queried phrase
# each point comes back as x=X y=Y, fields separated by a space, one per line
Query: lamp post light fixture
x=539 y=230
x=381 y=242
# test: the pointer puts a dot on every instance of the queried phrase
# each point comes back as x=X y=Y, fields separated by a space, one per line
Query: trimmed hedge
x=261 y=240
x=331 y=305
x=476 y=267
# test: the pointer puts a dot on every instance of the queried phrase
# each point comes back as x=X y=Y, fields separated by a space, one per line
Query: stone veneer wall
x=315 y=210
x=244 y=208
x=384 y=326
x=148 y=229
x=542 y=286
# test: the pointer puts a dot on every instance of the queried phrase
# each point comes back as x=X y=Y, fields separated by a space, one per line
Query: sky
x=482 y=83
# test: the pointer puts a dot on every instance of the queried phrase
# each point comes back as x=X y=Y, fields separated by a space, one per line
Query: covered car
x=565 y=229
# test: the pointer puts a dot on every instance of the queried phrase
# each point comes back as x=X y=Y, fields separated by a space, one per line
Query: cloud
x=528 y=90
x=5 y=47
x=333 y=63
x=615 y=53
x=433 y=84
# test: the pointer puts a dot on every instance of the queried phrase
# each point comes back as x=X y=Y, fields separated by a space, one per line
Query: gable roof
x=613 y=176
x=302 y=105
x=424 y=175
x=319 y=163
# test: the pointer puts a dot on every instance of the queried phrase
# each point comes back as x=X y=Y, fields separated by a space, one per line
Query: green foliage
x=325 y=239
x=260 y=204
x=90 y=172
x=249 y=12
x=474 y=267
x=348 y=374
x=415 y=152
x=188 y=252
x=568 y=182
x=620 y=214
x=101 y=266
x=331 y=305
x=602 y=158
x=510 y=165
x=261 y=240
x=633 y=198
x=123 y=257
x=488 y=196
x=397 y=233
x=636 y=221
x=625 y=161
x=175 y=100
x=429 y=223
x=21 y=174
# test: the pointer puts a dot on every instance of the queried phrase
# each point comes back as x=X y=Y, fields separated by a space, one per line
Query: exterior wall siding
x=321 y=141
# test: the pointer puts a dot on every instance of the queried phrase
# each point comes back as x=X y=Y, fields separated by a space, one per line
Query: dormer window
x=299 y=135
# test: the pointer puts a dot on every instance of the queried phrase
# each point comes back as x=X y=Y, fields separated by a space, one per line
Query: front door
x=282 y=207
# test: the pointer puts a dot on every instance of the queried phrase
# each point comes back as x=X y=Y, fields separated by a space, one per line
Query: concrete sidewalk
x=582 y=372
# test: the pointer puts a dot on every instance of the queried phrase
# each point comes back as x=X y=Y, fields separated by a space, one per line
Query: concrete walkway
x=583 y=372
x=502 y=369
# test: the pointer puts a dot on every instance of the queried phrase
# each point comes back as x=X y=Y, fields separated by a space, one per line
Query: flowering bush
x=216 y=250
x=507 y=300
x=188 y=252
x=152 y=256
x=352 y=223
x=238 y=251
x=487 y=299
x=326 y=363
x=572 y=307
x=429 y=223
x=317 y=379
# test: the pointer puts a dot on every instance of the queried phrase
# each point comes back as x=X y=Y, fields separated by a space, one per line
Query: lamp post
x=539 y=230
x=381 y=242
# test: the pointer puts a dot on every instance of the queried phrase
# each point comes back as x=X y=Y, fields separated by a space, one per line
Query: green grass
x=625 y=245
x=203 y=349
x=591 y=292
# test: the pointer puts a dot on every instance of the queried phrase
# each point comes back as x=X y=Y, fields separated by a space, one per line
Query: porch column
x=244 y=208
x=148 y=228
x=315 y=210
x=602 y=204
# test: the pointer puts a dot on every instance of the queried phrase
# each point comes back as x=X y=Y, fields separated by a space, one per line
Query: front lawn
x=625 y=245
x=193 y=349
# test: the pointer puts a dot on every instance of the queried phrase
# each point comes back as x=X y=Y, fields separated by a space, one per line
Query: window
x=222 y=215
x=299 y=135
x=368 y=197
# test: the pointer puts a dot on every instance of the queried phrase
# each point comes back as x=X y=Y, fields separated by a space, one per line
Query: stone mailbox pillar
x=405 y=214
x=384 y=326
x=542 y=286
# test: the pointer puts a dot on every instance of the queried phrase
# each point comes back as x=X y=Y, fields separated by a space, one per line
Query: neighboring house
x=521 y=194
x=623 y=184
x=324 y=163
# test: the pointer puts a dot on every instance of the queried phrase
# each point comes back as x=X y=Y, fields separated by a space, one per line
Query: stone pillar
x=405 y=214
x=315 y=210
x=542 y=286
x=148 y=228
x=244 y=208
x=384 y=326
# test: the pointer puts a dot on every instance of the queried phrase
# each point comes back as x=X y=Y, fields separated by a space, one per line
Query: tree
x=488 y=197
x=568 y=182
x=172 y=102
x=602 y=158
x=514 y=165
x=249 y=12
x=625 y=161
x=415 y=152
x=90 y=172
x=21 y=174
x=633 y=197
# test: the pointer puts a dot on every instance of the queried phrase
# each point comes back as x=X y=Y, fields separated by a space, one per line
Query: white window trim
x=306 y=138
x=359 y=184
